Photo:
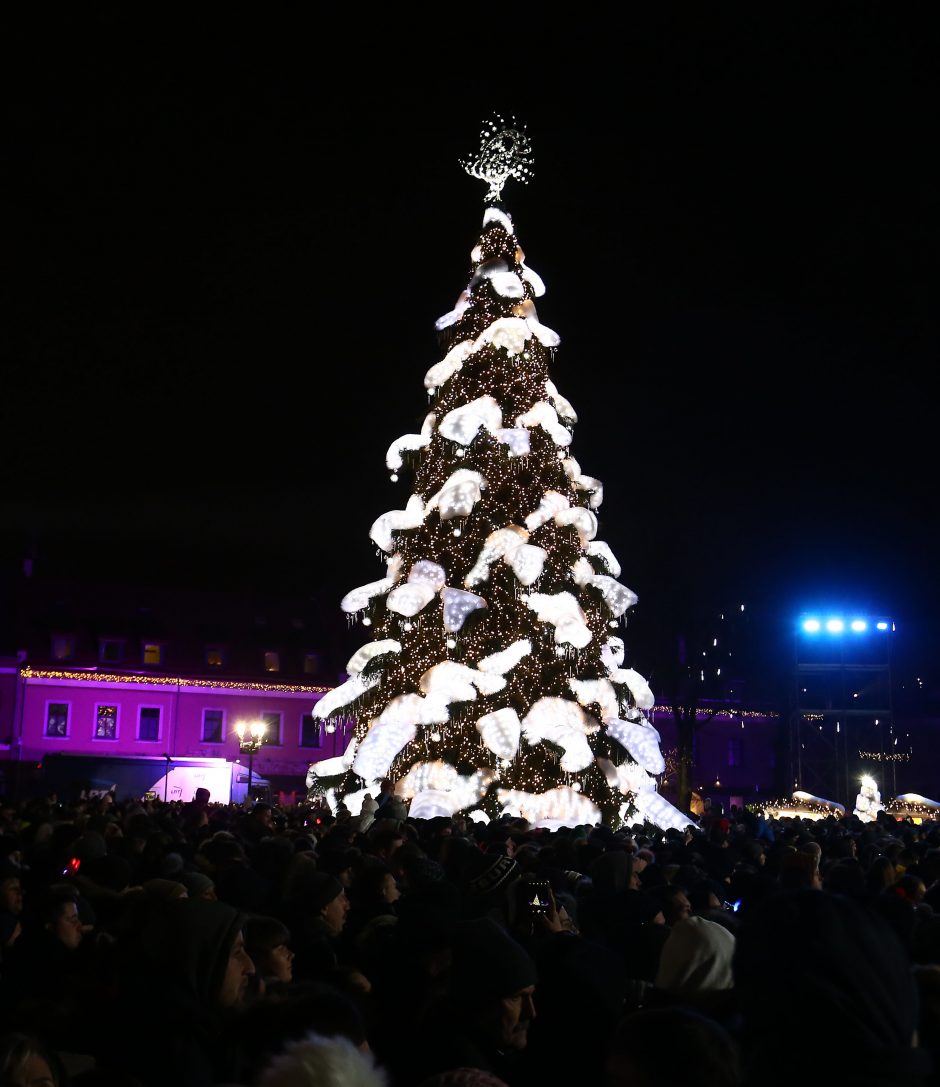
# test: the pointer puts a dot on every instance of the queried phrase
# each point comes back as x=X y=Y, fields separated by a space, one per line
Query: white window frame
x=117 y=724
x=68 y=720
x=202 y=726
x=140 y=711
x=279 y=742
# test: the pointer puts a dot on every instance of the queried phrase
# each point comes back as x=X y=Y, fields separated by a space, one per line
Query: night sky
x=229 y=238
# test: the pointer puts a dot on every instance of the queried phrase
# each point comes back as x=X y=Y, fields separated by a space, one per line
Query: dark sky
x=229 y=237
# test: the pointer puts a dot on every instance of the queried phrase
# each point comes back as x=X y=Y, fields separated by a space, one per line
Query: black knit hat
x=488 y=962
x=319 y=890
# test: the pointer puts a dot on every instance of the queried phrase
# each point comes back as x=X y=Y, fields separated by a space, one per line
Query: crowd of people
x=145 y=943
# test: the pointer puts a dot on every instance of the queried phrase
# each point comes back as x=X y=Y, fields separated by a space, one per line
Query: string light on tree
x=499 y=685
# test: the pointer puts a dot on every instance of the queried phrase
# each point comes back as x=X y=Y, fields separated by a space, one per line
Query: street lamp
x=250 y=738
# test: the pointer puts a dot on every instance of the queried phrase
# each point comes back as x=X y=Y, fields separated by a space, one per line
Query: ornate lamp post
x=251 y=735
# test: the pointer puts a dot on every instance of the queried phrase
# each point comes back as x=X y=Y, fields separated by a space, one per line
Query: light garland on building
x=170 y=681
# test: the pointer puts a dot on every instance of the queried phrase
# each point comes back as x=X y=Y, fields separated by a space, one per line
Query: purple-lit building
x=119 y=672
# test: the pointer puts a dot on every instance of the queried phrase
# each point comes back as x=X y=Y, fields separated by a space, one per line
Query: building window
x=311 y=664
x=213 y=724
x=106 y=722
x=153 y=653
x=111 y=650
x=734 y=752
x=63 y=647
x=272 y=731
x=272 y=661
x=311 y=731
x=57 y=719
x=148 y=727
x=214 y=657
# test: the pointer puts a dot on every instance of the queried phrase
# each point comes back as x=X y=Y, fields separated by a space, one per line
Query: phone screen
x=538 y=897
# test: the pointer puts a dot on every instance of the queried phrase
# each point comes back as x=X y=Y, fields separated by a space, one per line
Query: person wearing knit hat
x=198 y=884
x=484 y=1022
x=316 y=916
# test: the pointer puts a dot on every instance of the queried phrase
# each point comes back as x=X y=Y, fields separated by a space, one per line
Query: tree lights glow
x=498 y=683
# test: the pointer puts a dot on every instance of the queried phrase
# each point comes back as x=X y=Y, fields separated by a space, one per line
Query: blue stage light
x=835 y=626
x=811 y=626
x=882 y=625
x=858 y=625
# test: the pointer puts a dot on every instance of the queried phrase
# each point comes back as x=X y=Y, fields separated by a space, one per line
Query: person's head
x=325 y=897
x=267 y=941
x=696 y=958
x=672 y=901
x=60 y=917
x=197 y=947
x=700 y=1050
x=492 y=980
x=27 y=1061
x=11 y=888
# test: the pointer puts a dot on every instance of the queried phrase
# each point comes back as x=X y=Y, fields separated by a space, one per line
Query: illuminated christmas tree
x=494 y=679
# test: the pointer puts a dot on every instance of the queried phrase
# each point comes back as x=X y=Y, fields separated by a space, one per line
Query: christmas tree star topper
x=505 y=152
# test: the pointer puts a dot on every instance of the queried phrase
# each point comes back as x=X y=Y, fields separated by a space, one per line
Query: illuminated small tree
x=494 y=678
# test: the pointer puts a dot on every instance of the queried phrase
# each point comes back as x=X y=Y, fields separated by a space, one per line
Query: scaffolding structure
x=841 y=721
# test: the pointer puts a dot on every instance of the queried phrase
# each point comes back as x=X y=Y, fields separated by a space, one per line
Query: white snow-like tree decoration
x=640 y=740
x=426 y=775
x=466 y=790
x=637 y=685
x=328 y=768
x=486 y=269
x=454 y=315
x=412 y=516
x=358 y=599
x=517 y=438
x=342 y=695
x=381 y=744
x=552 y=502
x=545 y=335
x=507 y=285
x=501 y=731
x=612 y=654
x=368 y=652
x=451 y=681
x=527 y=563
x=599 y=550
x=559 y=807
x=458 y=604
x=463 y=424
x=497 y=215
x=458 y=496
x=564 y=613
x=560 y=404
x=507 y=659
x=617 y=597
x=551 y=711
x=502 y=542
x=544 y=415
x=628 y=777
x=582 y=571
x=508 y=333
x=443 y=371
x=393 y=458
x=562 y=722
x=410 y=598
x=581 y=482
x=426 y=572
x=533 y=278
x=656 y=809
x=601 y=691
x=585 y=523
